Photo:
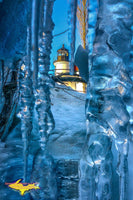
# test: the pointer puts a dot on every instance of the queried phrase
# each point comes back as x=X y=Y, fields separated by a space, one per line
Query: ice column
x=34 y=39
x=43 y=102
x=109 y=93
x=27 y=102
x=72 y=31
x=92 y=19
x=43 y=165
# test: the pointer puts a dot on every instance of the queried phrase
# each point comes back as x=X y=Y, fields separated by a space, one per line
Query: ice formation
x=109 y=110
x=72 y=31
x=27 y=101
x=34 y=14
x=109 y=91
x=43 y=161
x=92 y=19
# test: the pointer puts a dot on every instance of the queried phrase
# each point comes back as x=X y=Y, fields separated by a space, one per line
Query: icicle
x=34 y=41
x=43 y=161
x=27 y=101
x=122 y=167
x=72 y=33
x=44 y=82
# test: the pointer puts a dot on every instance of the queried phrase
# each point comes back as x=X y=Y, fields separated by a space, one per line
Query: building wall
x=61 y=67
x=78 y=86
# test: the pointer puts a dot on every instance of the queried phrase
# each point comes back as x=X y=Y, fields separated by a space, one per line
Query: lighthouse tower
x=62 y=72
x=62 y=62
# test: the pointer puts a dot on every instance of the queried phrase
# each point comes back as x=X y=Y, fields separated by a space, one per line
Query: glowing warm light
x=22 y=67
x=97 y=162
x=61 y=67
x=79 y=87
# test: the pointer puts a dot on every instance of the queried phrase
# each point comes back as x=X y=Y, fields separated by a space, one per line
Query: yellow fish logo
x=22 y=187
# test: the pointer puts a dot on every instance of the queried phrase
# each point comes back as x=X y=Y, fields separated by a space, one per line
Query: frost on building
x=62 y=72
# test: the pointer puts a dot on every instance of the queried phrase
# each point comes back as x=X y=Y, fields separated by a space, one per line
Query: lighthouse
x=62 y=62
x=62 y=72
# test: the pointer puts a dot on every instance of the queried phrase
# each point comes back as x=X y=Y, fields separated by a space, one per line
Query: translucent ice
x=27 y=101
x=72 y=31
x=107 y=99
x=42 y=160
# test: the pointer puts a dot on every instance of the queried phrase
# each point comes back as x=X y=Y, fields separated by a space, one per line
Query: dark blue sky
x=60 y=18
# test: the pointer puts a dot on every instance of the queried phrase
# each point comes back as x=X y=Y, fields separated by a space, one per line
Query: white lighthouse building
x=62 y=72
x=62 y=62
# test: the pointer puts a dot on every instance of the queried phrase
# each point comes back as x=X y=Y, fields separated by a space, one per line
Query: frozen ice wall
x=13 y=15
x=109 y=95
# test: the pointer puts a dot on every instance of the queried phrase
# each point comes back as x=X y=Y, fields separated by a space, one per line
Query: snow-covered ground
x=70 y=125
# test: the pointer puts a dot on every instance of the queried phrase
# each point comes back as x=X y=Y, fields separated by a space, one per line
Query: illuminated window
x=79 y=87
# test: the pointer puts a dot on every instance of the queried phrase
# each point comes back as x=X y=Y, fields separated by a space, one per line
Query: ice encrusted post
x=107 y=99
x=43 y=165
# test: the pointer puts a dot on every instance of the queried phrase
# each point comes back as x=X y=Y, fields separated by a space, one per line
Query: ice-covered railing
x=109 y=95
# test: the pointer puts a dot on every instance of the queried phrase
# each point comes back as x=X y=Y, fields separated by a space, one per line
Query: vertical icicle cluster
x=42 y=39
x=43 y=103
x=72 y=32
x=109 y=94
x=34 y=39
x=27 y=100
x=43 y=162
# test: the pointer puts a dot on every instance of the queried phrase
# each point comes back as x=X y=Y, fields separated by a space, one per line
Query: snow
x=70 y=125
